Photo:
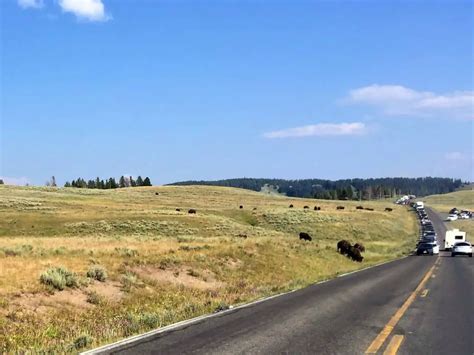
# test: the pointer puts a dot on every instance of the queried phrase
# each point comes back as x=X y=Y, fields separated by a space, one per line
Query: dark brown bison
x=241 y=206
x=340 y=207
x=305 y=236
x=157 y=193
x=368 y=209
x=241 y=235
x=255 y=208
x=343 y=246
x=317 y=208
x=360 y=247
x=178 y=210
x=192 y=211
x=306 y=207
x=290 y=206
x=388 y=209
x=359 y=208
x=354 y=254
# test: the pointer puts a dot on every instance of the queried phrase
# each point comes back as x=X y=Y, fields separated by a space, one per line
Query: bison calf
x=192 y=211
x=360 y=247
x=305 y=236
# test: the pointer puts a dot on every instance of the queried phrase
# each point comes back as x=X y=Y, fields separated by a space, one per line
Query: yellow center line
x=394 y=344
x=382 y=336
x=424 y=293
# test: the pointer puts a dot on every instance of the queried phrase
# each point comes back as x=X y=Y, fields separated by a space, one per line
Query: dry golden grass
x=164 y=266
x=463 y=200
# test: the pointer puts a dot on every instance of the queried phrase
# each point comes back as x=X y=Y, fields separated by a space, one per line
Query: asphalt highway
x=416 y=305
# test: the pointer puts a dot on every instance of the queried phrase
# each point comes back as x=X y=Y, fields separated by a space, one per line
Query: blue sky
x=180 y=90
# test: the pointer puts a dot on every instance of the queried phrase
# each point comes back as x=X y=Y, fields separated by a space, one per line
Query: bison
x=178 y=210
x=317 y=208
x=290 y=206
x=305 y=207
x=241 y=206
x=359 y=246
x=388 y=209
x=192 y=211
x=354 y=254
x=368 y=209
x=340 y=207
x=157 y=193
x=359 y=207
x=343 y=246
x=305 y=236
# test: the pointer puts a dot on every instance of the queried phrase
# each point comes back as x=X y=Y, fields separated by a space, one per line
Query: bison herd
x=351 y=251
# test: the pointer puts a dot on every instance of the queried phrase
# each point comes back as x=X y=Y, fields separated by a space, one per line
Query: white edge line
x=126 y=341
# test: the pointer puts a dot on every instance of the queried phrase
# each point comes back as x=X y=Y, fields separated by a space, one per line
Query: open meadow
x=462 y=200
x=130 y=262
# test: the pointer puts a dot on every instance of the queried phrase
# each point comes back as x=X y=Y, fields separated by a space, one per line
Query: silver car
x=462 y=248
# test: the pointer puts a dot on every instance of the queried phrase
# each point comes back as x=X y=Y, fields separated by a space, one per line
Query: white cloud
x=91 y=10
x=15 y=180
x=400 y=100
x=455 y=156
x=36 y=4
x=320 y=129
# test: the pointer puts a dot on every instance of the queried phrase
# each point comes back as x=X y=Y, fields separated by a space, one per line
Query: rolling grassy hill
x=165 y=265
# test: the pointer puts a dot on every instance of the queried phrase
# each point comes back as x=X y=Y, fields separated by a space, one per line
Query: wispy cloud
x=91 y=10
x=320 y=129
x=400 y=100
x=8 y=180
x=35 y=4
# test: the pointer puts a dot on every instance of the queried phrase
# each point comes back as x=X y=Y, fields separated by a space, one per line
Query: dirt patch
x=74 y=298
x=185 y=276
x=110 y=290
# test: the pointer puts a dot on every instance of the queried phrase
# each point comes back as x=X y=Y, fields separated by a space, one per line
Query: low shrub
x=59 y=278
x=82 y=342
x=97 y=272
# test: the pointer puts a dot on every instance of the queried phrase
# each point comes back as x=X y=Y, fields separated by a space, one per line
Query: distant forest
x=348 y=189
x=109 y=183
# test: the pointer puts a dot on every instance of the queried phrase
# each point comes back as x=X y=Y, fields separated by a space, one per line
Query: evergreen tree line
x=346 y=189
x=109 y=183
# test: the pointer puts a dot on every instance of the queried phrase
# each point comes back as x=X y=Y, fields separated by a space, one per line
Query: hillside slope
x=165 y=265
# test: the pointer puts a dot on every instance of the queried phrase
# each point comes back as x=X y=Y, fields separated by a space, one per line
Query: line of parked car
x=456 y=214
x=428 y=241
x=455 y=240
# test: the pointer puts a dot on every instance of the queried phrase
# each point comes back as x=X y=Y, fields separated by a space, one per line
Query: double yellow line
x=387 y=330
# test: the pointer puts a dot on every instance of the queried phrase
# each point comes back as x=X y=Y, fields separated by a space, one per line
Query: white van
x=419 y=205
x=452 y=237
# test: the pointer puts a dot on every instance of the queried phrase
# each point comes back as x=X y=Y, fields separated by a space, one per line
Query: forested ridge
x=346 y=189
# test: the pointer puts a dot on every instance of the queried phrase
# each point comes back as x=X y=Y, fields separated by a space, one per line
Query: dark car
x=424 y=248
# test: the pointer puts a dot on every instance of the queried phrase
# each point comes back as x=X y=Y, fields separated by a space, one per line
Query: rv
x=452 y=237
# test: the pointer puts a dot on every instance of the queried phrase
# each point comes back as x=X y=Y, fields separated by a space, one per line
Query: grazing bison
x=178 y=210
x=291 y=206
x=317 y=208
x=306 y=207
x=241 y=235
x=360 y=247
x=157 y=193
x=359 y=208
x=343 y=246
x=388 y=209
x=192 y=211
x=354 y=254
x=255 y=208
x=368 y=209
x=241 y=206
x=340 y=207
x=305 y=236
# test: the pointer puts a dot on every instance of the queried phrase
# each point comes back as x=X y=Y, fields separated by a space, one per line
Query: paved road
x=344 y=316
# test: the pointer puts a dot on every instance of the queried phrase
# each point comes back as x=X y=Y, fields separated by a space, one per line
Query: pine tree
x=139 y=181
x=97 y=183
x=132 y=182
x=1 y=182
x=146 y=182
x=67 y=184
x=122 y=182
